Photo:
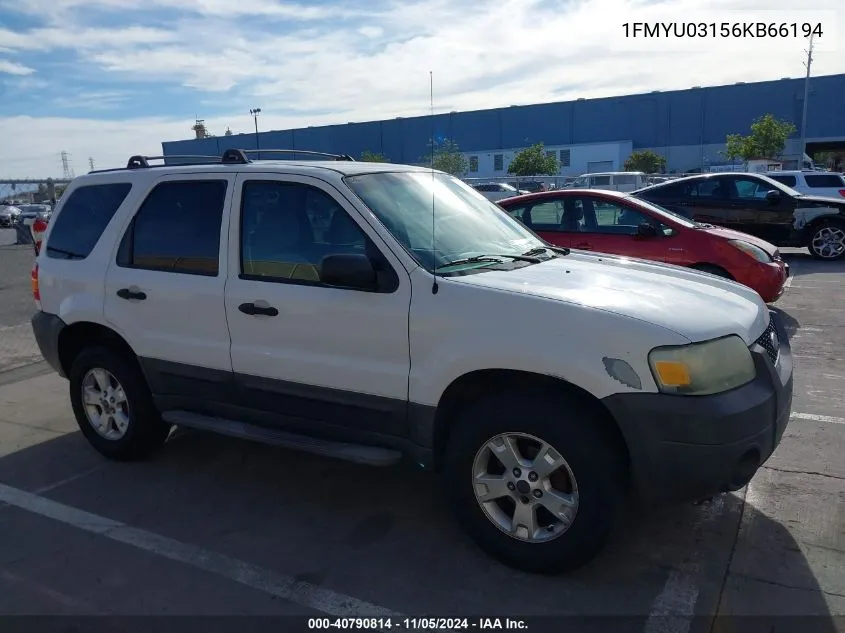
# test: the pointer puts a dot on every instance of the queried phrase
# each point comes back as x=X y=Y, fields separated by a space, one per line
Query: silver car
x=9 y=216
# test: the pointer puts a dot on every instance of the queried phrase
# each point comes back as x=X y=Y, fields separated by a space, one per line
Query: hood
x=825 y=201
x=695 y=305
x=730 y=234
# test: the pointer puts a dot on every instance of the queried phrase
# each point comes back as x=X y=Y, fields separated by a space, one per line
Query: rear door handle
x=131 y=293
x=253 y=309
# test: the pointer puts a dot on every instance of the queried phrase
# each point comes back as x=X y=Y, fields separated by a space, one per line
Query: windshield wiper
x=492 y=259
x=542 y=249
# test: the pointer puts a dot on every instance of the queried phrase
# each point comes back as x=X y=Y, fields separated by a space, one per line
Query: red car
x=617 y=223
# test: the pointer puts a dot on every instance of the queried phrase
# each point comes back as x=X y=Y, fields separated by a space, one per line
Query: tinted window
x=674 y=190
x=747 y=189
x=608 y=217
x=287 y=229
x=625 y=179
x=789 y=181
x=83 y=218
x=600 y=180
x=824 y=180
x=177 y=229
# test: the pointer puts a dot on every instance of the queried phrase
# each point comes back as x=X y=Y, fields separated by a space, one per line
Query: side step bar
x=358 y=453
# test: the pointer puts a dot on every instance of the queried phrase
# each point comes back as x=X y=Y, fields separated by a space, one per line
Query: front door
x=164 y=286
x=754 y=213
x=611 y=227
x=302 y=349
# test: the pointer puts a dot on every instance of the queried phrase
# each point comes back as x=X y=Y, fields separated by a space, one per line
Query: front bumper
x=684 y=448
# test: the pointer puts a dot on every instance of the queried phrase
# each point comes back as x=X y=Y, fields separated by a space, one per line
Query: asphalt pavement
x=214 y=526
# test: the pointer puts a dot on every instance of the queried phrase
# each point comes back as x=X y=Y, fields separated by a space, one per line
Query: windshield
x=780 y=186
x=466 y=223
x=677 y=217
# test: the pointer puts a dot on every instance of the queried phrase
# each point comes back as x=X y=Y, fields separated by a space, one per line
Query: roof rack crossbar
x=139 y=161
x=297 y=151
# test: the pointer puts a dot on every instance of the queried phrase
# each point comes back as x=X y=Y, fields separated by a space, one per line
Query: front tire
x=113 y=406
x=535 y=479
x=827 y=241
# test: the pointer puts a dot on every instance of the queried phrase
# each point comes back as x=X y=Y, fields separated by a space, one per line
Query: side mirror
x=773 y=195
x=354 y=271
x=646 y=230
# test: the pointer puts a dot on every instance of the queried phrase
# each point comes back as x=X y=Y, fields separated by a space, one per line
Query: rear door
x=547 y=218
x=164 y=286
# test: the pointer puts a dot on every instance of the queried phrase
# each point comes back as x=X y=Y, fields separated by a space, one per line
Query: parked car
x=497 y=190
x=618 y=223
x=759 y=205
x=532 y=186
x=813 y=183
x=612 y=181
x=381 y=336
x=9 y=216
x=33 y=211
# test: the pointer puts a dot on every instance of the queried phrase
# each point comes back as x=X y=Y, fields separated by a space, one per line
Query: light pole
x=808 y=64
x=255 y=112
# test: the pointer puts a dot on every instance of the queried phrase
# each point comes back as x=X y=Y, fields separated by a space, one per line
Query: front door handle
x=253 y=309
x=131 y=293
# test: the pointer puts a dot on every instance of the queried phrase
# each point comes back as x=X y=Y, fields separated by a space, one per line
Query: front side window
x=177 y=229
x=747 y=189
x=287 y=229
x=465 y=224
x=83 y=218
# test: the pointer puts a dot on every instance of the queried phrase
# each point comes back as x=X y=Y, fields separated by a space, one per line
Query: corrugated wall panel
x=677 y=118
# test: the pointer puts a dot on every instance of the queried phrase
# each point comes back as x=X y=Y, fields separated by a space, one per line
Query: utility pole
x=66 y=170
x=91 y=162
x=808 y=65
x=255 y=112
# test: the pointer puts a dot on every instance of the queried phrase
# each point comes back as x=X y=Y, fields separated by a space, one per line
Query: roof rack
x=139 y=161
x=240 y=156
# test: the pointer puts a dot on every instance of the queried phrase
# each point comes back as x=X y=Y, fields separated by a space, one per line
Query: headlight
x=701 y=369
x=749 y=249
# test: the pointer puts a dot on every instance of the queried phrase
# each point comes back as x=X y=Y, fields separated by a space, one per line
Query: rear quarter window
x=824 y=181
x=83 y=218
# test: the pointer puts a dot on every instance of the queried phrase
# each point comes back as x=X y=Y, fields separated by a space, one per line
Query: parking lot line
x=818 y=418
x=299 y=592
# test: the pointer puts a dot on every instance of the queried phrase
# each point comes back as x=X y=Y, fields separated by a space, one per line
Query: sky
x=105 y=79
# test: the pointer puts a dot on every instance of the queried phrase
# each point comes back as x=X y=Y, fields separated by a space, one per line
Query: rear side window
x=177 y=229
x=83 y=218
x=789 y=181
x=819 y=181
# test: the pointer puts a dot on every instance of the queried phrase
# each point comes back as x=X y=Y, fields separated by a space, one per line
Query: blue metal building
x=688 y=127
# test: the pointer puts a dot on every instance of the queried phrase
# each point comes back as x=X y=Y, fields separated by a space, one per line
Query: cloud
x=312 y=64
x=11 y=68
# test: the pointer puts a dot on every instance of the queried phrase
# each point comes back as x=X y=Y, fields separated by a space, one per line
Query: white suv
x=310 y=305
x=828 y=184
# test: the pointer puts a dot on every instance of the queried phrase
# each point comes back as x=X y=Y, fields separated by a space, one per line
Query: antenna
x=807 y=64
x=434 y=286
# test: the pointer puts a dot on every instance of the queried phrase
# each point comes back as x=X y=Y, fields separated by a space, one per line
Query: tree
x=766 y=140
x=447 y=157
x=533 y=161
x=373 y=157
x=646 y=161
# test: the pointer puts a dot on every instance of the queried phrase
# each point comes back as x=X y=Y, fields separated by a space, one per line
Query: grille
x=770 y=342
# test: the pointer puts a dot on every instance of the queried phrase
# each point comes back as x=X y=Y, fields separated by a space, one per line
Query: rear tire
x=594 y=480
x=113 y=405
x=827 y=241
